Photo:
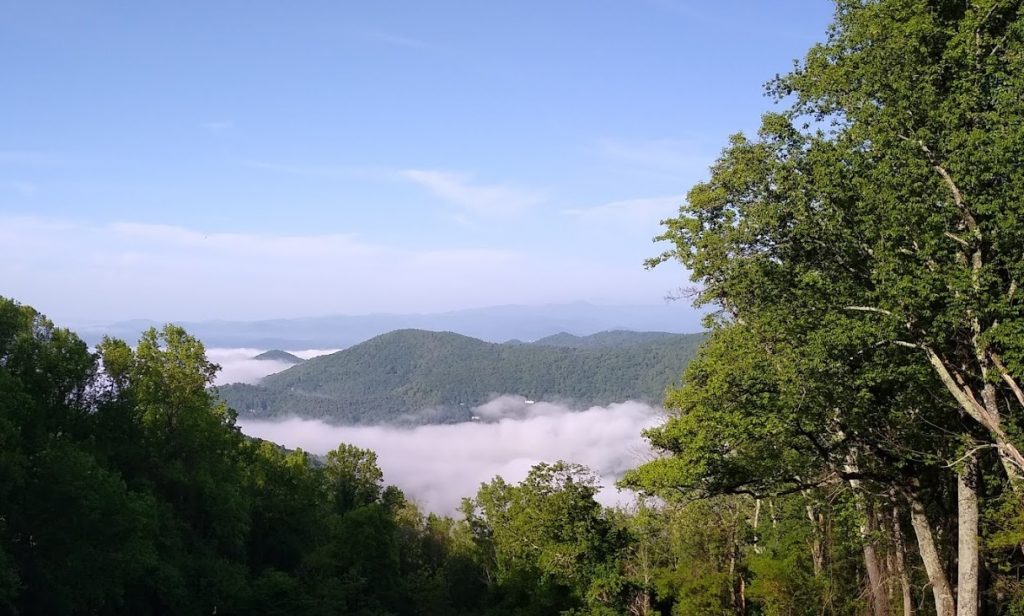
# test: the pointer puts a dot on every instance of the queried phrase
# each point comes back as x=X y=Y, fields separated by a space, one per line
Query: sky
x=198 y=160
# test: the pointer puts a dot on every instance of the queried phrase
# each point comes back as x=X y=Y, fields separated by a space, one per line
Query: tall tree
x=878 y=222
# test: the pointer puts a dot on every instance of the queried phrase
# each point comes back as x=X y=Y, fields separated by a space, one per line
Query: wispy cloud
x=630 y=212
x=84 y=271
x=486 y=199
x=663 y=156
x=458 y=189
x=247 y=244
x=131 y=269
x=452 y=258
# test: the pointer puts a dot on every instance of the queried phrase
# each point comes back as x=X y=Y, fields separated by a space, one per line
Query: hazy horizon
x=683 y=305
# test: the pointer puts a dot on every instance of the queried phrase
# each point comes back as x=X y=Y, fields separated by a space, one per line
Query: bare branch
x=958 y=198
x=904 y=343
x=970 y=453
x=957 y=239
x=869 y=309
x=1007 y=377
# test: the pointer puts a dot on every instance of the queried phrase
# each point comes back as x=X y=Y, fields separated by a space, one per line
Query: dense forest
x=127 y=489
x=416 y=376
x=847 y=440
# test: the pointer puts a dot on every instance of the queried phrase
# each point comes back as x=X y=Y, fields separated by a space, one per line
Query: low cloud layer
x=239 y=365
x=438 y=465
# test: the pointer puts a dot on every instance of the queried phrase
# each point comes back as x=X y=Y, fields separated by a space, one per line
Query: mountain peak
x=279 y=355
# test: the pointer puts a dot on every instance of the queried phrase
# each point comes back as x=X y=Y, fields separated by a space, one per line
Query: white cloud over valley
x=240 y=365
x=438 y=465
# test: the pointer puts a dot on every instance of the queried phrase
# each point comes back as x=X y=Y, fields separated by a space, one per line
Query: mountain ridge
x=420 y=376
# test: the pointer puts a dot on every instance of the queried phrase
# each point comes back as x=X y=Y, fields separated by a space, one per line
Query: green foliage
x=126 y=488
x=862 y=254
x=417 y=376
x=353 y=478
x=548 y=545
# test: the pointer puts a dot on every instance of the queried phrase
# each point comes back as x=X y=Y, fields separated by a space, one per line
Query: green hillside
x=419 y=376
x=279 y=355
x=612 y=338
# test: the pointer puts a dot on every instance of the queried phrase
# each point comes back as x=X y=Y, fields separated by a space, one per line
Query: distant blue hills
x=491 y=324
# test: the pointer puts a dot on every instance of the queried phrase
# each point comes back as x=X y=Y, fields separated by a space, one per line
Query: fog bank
x=438 y=465
x=238 y=365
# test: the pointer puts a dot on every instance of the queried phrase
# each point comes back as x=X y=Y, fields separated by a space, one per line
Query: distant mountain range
x=416 y=376
x=493 y=324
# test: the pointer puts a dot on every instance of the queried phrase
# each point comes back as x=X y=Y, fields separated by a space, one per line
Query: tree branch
x=1007 y=377
x=971 y=453
x=869 y=309
x=957 y=239
x=958 y=198
x=904 y=343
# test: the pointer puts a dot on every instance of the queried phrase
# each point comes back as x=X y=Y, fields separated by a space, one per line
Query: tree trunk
x=901 y=563
x=757 y=532
x=735 y=576
x=944 y=604
x=967 y=521
x=876 y=587
x=879 y=600
x=817 y=549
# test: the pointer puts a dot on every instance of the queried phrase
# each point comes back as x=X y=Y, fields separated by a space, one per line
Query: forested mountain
x=279 y=355
x=420 y=376
x=611 y=338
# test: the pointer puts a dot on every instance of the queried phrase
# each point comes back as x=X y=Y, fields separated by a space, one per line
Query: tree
x=353 y=477
x=547 y=544
x=72 y=534
x=125 y=487
x=888 y=194
x=876 y=224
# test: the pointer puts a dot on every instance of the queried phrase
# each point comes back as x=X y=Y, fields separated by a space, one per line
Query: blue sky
x=239 y=160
